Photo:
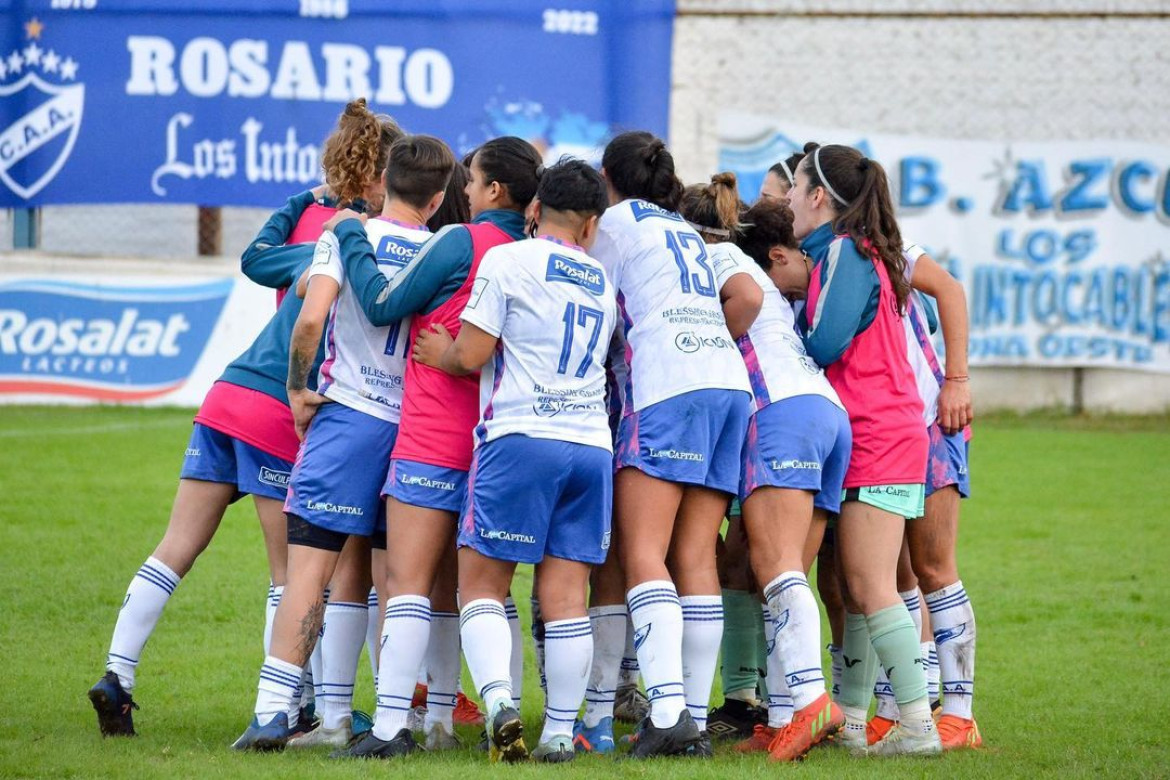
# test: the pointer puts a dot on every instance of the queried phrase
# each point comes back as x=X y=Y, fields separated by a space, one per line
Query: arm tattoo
x=298 y=369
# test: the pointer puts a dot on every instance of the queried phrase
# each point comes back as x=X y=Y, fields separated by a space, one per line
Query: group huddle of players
x=668 y=401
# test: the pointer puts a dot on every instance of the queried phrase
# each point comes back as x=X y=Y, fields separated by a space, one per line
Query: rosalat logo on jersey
x=39 y=87
x=564 y=269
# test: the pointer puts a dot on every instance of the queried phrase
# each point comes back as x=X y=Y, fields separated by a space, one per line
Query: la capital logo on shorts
x=39 y=87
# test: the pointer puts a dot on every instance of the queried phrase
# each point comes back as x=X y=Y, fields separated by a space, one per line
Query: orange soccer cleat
x=466 y=712
x=957 y=733
x=758 y=742
x=809 y=725
x=877 y=728
x=420 y=696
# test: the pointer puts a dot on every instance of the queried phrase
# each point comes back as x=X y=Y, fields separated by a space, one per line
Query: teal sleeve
x=850 y=290
x=268 y=261
x=427 y=281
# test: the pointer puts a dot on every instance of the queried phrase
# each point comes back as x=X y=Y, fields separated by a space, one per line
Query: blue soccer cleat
x=598 y=739
x=272 y=736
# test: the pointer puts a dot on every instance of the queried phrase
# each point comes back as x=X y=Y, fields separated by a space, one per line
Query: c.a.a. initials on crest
x=37 y=144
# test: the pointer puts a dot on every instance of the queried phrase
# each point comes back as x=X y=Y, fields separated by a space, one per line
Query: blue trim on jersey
x=850 y=291
x=268 y=261
x=264 y=365
x=420 y=286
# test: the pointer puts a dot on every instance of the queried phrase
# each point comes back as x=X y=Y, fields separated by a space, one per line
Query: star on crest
x=50 y=62
x=32 y=53
x=69 y=69
x=15 y=62
x=33 y=28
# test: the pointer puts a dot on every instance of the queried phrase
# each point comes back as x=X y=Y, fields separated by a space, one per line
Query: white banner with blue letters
x=1063 y=247
x=227 y=102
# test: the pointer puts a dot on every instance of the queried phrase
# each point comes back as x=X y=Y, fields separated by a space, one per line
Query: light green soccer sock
x=742 y=629
x=859 y=671
x=896 y=643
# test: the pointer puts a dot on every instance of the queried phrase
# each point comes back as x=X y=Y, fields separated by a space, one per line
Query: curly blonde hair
x=355 y=153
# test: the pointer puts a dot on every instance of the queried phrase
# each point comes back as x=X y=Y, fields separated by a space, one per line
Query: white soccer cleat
x=416 y=719
x=852 y=740
x=321 y=736
x=901 y=741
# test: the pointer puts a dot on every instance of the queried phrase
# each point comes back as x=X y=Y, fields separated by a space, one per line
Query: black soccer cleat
x=702 y=748
x=735 y=719
x=114 y=707
x=676 y=740
x=506 y=734
x=368 y=746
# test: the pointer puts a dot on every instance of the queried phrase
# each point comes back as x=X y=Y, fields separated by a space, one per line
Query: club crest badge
x=39 y=88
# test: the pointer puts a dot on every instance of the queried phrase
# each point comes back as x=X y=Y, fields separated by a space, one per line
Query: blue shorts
x=695 y=438
x=213 y=456
x=336 y=482
x=421 y=484
x=558 y=504
x=803 y=443
x=947 y=464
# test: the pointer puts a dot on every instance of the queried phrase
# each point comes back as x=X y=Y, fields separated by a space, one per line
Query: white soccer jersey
x=668 y=294
x=364 y=364
x=928 y=373
x=776 y=361
x=553 y=310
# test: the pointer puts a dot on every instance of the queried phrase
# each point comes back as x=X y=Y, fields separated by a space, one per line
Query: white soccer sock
x=538 y=642
x=779 y=697
x=569 y=651
x=628 y=675
x=516 y=661
x=953 y=621
x=702 y=636
x=442 y=662
x=340 y=652
x=278 y=685
x=887 y=707
x=835 y=668
x=930 y=653
x=145 y=598
x=487 y=646
x=405 y=634
x=609 y=638
x=916 y=716
x=373 y=631
x=658 y=637
x=914 y=606
x=798 y=635
x=274 y=594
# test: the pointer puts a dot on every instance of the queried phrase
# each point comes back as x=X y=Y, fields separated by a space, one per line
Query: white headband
x=824 y=181
x=712 y=231
x=787 y=173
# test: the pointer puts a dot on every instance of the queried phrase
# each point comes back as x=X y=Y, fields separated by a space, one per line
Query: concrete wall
x=979 y=69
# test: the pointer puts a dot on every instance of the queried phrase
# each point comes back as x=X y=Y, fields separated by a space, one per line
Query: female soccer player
x=852 y=326
x=348 y=429
x=243 y=439
x=678 y=457
x=779 y=178
x=546 y=311
x=428 y=473
x=797 y=450
x=932 y=537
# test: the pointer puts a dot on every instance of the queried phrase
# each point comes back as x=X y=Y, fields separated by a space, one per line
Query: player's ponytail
x=714 y=209
x=638 y=165
x=859 y=194
x=355 y=153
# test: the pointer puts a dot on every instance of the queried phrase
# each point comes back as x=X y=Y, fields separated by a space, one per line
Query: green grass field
x=1065 y=551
